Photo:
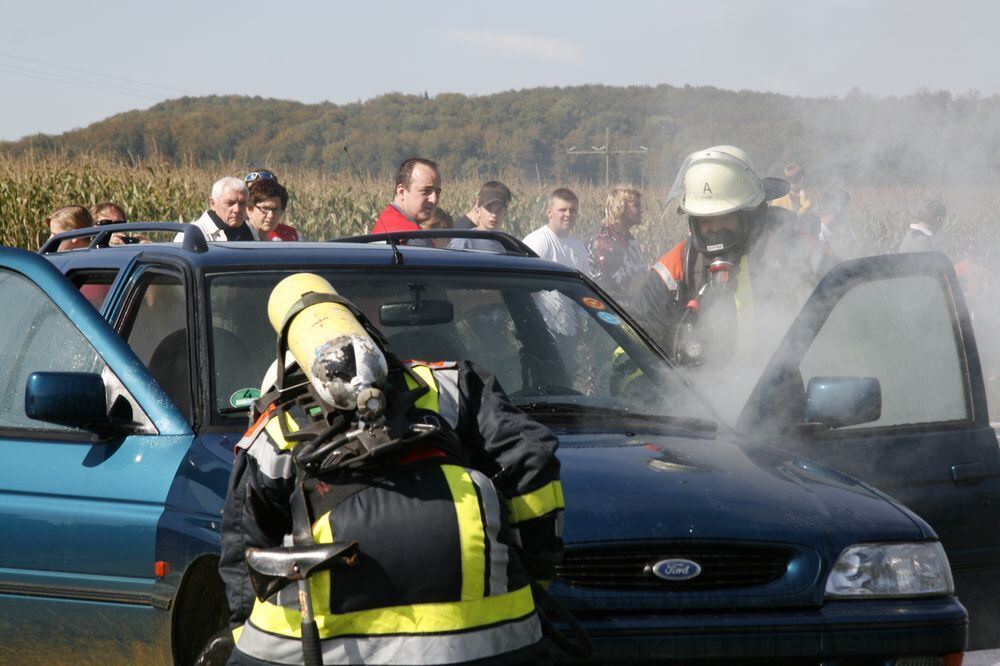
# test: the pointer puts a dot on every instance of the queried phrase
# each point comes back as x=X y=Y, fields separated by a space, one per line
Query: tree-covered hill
x=925 y=138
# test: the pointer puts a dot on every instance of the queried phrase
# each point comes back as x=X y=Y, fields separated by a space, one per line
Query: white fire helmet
x=735 y=151
x=330 y=345
x=716 y=182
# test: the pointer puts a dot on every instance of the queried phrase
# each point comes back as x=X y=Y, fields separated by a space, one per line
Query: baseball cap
x=492 y=192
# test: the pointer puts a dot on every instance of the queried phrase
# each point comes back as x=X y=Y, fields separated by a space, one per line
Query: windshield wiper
x=572 y=412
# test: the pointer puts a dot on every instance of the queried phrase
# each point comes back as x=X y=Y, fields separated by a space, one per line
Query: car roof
x=226 y=255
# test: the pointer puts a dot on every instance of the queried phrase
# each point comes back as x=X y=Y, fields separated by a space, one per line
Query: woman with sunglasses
x=108 y=212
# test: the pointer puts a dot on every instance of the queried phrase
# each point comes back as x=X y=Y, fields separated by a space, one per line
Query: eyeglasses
x=265 y=210
x=101 y=223
x=263 y=174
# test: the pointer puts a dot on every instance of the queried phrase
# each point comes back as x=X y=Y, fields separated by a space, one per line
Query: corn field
x=324 y=206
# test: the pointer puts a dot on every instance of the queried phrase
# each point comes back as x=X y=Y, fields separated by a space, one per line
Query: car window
x=546 y=338
x=900 y=331
x=157 y=331
x=94 y=285
x=39 y=338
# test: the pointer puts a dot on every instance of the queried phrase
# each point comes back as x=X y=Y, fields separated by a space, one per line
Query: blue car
x=130 y=370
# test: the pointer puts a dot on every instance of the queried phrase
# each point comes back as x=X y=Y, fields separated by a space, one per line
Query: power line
x=55 y=78
x=607 y=152
x=109 y=80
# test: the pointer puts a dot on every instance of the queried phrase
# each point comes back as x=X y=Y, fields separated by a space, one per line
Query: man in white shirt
x=554 y=241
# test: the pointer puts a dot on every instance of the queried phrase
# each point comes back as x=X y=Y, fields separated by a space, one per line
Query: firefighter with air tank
x=705 y=299
x=410 y=502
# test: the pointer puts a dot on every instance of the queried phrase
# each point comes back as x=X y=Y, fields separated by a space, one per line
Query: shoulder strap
x=694 y=275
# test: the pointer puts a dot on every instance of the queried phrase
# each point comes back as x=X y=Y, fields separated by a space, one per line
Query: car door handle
x=968 y=473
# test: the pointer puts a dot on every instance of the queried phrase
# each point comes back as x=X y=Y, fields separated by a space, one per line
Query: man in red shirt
x=418 y=189
x=267 y=204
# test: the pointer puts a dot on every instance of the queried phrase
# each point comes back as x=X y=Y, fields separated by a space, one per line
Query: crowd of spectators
x=254 y=208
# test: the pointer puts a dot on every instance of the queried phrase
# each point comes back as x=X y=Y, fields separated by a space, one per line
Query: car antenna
x=397 y=256
x=361 y=178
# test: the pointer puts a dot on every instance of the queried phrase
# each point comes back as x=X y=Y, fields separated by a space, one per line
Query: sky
x=64 y=65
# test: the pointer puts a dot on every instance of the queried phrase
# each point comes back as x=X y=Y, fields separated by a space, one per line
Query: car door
x=900 y=319
x=78 y=514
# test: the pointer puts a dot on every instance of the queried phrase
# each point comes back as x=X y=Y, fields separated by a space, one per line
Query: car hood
x=620 y=488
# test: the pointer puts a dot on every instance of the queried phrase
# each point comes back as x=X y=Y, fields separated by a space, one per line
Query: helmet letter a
x=707 y=189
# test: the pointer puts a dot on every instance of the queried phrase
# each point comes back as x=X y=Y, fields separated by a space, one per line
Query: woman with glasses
x=267 y=204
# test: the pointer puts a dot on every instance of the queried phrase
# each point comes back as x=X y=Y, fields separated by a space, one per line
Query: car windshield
x=557 y=347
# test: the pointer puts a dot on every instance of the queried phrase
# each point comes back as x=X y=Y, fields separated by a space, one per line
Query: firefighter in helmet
x=701 y=299
x=452 y=495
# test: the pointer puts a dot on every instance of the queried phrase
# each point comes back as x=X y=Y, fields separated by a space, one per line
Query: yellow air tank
x=327 y=341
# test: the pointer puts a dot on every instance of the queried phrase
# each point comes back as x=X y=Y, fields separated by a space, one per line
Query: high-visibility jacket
x=445 y=551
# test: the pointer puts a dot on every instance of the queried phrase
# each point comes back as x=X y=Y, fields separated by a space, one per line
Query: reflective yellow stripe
x=283 y=619
x=319 y=583
x=471 y=535
x=274 y=430
x=545 y=500
x=429 y=400
x=236 y=633
x=415 y=619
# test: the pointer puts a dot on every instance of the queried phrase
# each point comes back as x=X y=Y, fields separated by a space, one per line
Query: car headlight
x=891 y=570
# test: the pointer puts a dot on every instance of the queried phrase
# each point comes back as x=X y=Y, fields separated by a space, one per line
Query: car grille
x=630 y=567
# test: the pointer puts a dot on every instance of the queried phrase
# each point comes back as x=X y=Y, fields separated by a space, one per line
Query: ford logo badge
x=677 y=569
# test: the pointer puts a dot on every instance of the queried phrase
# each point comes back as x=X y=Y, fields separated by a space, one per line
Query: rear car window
x=94 y=285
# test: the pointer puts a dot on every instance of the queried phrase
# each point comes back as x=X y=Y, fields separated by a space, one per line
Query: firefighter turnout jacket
x=781 y=263
x=450 y=534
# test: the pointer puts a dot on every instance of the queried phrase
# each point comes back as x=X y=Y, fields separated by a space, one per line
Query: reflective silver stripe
x=453 y=648
x=447 y=380
x=246 y=441
x=273 y=463
x=499 y=555
x=665 y=275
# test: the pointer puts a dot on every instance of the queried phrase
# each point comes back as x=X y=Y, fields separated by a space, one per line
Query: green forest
x=928 y=138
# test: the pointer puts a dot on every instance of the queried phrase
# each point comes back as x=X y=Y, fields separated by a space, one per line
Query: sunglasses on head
x=263 y=174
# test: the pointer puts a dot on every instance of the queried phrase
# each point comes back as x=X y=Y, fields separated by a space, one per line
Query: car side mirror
x=836 y=402
x=73 y=399
x=417 y=312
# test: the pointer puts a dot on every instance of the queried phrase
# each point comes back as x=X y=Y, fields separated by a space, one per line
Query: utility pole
x=607 y=152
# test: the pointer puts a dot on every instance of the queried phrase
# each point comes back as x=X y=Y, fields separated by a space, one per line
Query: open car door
x=90 y=447
x=879 y=377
